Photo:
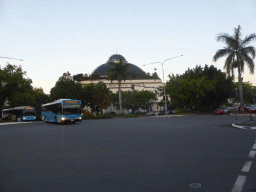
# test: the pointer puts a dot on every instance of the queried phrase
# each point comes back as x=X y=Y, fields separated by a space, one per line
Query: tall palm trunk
x=240 y=85
x=120 y=97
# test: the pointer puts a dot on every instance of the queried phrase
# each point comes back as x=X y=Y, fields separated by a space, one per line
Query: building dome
x=116 y=57
x=102 y=69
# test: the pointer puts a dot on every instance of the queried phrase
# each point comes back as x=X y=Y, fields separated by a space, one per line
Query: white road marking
x=238 y=187
x=247 y=166
x=254 y=146
x=252 y=154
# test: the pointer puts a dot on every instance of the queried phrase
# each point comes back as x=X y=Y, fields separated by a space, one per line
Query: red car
x=246 y=109
x=218 y=112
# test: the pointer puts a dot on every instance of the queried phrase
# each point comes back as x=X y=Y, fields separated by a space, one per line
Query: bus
x=22 y=113
x=62 y=110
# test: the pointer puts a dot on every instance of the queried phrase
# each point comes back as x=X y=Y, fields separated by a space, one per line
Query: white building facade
x=139 y=84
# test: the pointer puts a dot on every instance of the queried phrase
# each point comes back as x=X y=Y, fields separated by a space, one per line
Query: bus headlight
x=80 y=118
x=62 y=118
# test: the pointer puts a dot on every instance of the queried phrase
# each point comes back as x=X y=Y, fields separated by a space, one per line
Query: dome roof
x=116 y=57
x=102 y=69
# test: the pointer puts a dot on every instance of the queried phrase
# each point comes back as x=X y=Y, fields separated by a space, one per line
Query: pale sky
x=56 y=36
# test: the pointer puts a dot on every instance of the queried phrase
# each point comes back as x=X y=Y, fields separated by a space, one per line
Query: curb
x=168 y=116
x=243 y=127
x=243 y=114
x=14 y=123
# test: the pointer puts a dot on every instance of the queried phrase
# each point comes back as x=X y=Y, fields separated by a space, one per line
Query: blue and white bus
x=62 y=110
x=23 y=113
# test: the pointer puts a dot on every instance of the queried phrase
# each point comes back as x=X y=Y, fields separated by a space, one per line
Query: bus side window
x=59 y=108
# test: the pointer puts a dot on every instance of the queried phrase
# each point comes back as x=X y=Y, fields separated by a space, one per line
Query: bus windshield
x=71 y=109
x=29 y=113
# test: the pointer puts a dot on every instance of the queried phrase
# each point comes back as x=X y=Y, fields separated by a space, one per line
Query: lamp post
x=162 y=63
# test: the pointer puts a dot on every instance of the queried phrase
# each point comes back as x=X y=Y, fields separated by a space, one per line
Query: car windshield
x=71 y=109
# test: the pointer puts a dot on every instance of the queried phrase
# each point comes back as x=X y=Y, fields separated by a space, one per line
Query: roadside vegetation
x=197 y=90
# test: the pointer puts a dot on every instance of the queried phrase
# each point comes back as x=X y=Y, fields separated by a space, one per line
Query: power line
x=11 y=58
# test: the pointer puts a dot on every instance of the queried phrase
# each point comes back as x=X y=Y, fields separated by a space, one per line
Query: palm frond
x=220 y=53
x=248 y=39
x=227 y=39
x=249 y=50
x=249 y=61
x=240 y=62
x=119 y=70
x=237 y=33
x=229 y=63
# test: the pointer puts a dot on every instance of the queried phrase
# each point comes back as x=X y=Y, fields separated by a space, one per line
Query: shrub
x=87 y=115
x=130 y=115
x=182 y=110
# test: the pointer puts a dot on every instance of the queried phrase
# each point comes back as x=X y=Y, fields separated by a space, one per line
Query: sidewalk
x=247 y=125
x=13 y=123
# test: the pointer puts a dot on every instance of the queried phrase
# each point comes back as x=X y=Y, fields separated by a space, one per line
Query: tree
x=15 y=90
x=119 y=71
x=237 y=55
x=67 y=88
x=249 y=92
x=200 y=88
x=135 y=99
x=155 y=76
x=96 y=95
x=39 y=98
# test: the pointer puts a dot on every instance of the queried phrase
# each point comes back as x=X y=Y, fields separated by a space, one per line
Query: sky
x=56 y=36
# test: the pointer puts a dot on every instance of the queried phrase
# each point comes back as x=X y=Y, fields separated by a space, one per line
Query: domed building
x=139 y=78
x=102 y=69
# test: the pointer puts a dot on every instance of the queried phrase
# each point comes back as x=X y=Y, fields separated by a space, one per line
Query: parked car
x=225 y=109
x=161 y=112
x=246 y=109
x=252 y=108
x=171 y=111
x=218 y=112
x=152 y=113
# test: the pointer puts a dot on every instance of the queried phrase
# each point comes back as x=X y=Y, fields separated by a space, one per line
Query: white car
x=152 y=113
x=225 y=109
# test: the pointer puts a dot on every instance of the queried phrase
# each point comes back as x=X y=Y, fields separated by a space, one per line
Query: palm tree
x=237 y=55
x=119 y=71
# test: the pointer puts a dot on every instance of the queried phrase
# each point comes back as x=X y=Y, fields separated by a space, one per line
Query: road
x=166 y=154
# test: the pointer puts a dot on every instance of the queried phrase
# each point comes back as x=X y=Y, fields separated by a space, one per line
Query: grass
x=4 y=121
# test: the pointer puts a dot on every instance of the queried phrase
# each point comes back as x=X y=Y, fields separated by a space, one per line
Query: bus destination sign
x=72 y=102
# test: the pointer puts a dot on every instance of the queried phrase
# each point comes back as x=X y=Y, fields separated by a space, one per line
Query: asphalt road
x=167 y=154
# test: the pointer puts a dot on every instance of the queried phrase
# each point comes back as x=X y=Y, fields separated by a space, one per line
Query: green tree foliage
x=155 y=76
x=135 y=99
x=80 y=77
x=238 y=53
x=39 y=98
x=15 y=90
x=200 y=88
x=95 y=76
x=96 y=95
x=67 y=88
x=249 y=92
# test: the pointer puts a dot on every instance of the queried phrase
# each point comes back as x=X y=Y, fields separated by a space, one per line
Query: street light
x=162 y=63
